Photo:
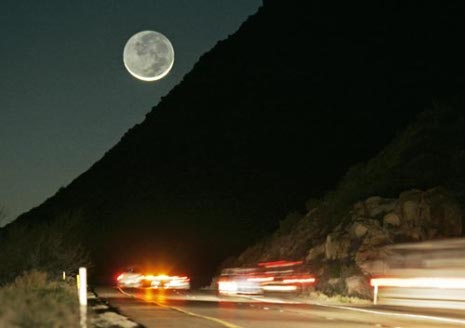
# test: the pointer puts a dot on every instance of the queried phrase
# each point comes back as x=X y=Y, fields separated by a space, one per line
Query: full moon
x=148 y=55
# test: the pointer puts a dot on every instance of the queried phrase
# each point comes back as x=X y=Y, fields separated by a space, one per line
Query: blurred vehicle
x=130 y=279
x=168 y=282
x=239 y=281
x=288 y=276
x=423 y=274
x=277 y=276
x=133 y=279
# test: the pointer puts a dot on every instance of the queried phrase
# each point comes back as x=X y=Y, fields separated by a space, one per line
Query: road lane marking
x=192 y=314
x=386 y=313
x=408 y=315
x=271 y=300
x=222 y=322
x=123 y=292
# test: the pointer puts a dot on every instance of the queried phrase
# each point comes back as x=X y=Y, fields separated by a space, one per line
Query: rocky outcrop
x=344 y=257
x=358 y=242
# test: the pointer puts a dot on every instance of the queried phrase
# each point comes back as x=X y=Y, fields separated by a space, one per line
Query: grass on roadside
x=336 y=299
x=34 y=300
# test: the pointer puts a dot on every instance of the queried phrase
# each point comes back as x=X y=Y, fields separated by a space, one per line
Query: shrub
x=33 y=300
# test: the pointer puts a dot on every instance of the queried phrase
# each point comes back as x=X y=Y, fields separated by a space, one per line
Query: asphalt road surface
x=204 y=309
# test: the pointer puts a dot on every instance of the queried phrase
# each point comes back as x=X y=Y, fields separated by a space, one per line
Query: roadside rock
x=315 y=252
x=359 y=230
x=358 y=286
x=334 y=281
x=391 y=219
x=377 y=206
x=372 y=203
x=410 y=210
x=336 y=247
x=376 y=222
x=345 y=255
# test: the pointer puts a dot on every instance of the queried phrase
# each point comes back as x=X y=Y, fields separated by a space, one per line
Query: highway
x=152 y=308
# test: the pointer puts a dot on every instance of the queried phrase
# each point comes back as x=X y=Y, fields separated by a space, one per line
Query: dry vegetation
x=319 y=297
x=34 y=300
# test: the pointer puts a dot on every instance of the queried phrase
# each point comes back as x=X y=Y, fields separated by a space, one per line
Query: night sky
x=65 y=96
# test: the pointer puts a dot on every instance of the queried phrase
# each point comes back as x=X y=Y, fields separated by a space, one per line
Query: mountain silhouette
x=271 y=116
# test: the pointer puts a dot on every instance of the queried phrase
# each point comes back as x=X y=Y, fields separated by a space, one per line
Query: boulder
x=376 y=206
x=386 y=207
x=391 y=219
x=410 y=210
x=416 y=233
x=376 y=236
x=334 y=281
x=315 y=252
x=358 y=230
x=370 y=248
x=371 y=204
x=376 y=267
x=336 y=247
x=358 y=286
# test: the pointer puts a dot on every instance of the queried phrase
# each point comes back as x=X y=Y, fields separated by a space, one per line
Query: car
x=233 y=281
x=163 y=281
x=130 y=279
x=275 y=276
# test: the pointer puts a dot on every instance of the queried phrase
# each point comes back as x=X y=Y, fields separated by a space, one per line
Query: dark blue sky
x=65 y=96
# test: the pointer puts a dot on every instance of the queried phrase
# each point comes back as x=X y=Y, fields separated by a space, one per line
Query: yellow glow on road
x=161 y=297
x=148 y=296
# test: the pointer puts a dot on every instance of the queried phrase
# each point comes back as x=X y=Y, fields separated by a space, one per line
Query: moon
x=148 y=55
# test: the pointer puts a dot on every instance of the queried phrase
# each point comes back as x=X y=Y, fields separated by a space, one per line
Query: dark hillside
x=430 y=152
x=413 y=190
x=272 y=115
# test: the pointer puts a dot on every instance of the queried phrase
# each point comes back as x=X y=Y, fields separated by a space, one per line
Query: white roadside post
x=375 y=294
x=82 y=291
x=83 y=286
